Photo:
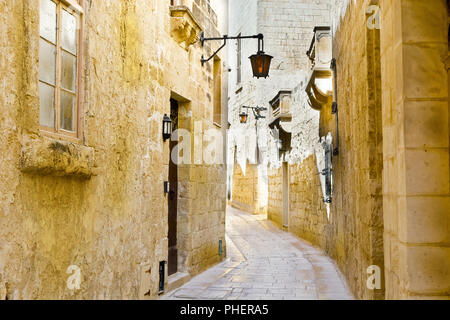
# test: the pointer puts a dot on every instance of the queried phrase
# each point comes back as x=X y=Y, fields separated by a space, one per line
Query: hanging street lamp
x=260 y=61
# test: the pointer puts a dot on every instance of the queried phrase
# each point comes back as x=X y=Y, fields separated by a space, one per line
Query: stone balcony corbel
x=318 y=98
x=319 y=88
x=184 y=28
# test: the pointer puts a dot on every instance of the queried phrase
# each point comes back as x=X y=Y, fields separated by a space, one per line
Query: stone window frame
x=76 y=8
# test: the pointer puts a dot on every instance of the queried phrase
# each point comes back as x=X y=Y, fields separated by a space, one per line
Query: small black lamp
x=167 y=127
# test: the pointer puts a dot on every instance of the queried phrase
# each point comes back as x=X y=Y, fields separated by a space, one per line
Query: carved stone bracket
x=184 y=28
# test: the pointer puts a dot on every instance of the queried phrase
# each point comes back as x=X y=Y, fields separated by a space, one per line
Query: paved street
x=265 y=263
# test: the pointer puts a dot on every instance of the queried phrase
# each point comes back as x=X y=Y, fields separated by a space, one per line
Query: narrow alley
x=265 y=263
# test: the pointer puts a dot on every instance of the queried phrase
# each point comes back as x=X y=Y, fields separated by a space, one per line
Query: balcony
x=281 y=118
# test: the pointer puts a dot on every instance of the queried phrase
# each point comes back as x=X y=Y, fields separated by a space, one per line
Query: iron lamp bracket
x=256 y=111
x=224 y=38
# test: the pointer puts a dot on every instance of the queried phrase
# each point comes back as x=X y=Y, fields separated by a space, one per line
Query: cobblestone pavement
x=265 y=262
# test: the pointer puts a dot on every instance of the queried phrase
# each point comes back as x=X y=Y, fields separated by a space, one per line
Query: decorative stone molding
x=46 y=156
x=184 y=28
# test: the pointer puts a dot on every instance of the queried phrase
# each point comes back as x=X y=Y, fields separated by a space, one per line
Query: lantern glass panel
x=260 y=64
x=267 y=59
x=244 y=117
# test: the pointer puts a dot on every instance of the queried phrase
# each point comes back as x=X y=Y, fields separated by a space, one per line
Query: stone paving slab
x=265 y=263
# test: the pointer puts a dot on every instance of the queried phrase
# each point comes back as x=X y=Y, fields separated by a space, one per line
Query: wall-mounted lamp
x=260 y=61
x=167 y=127
x=243 y=116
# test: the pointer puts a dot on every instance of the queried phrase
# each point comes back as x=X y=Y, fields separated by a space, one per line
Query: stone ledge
x=46 y=156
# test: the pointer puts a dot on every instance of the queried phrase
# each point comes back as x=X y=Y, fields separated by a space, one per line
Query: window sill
x=48 y=156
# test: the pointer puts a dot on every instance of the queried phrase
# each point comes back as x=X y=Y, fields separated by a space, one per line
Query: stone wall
x=111 y=220
x=246 y=195
x=308 y=217
x=357 y=209
x=275 y=205
x=414 y=52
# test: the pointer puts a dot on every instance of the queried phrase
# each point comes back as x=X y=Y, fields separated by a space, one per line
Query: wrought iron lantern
x=167 y=127
x=260 y=64
x=260 y=61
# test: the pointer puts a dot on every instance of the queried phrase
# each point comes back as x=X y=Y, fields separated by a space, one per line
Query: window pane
x=68 y=101
x=47 y=105
x=68 y=71
x=48 y=20
x=69 y=32
x=47 y=62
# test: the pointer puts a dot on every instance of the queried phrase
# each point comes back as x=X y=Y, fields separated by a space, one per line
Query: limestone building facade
x=83 y=209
